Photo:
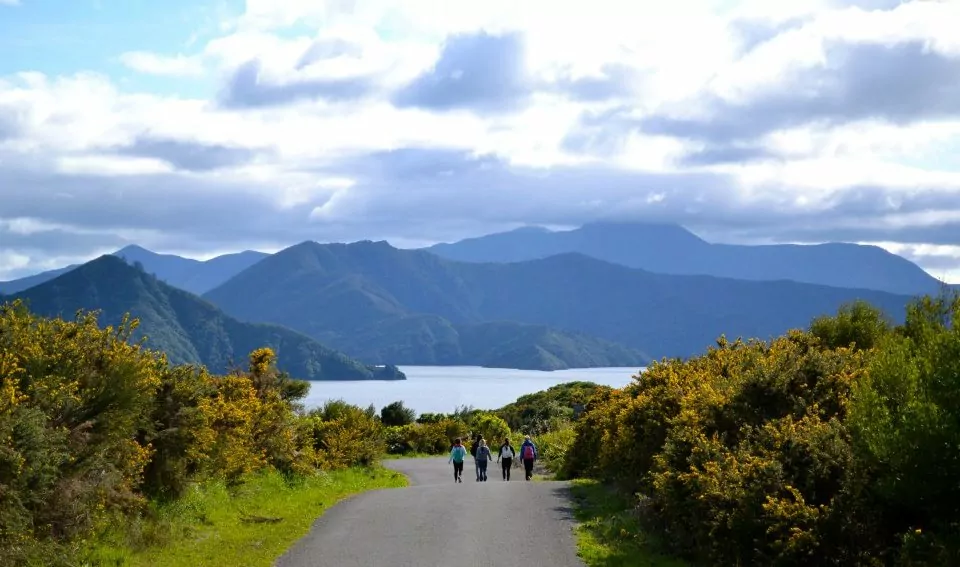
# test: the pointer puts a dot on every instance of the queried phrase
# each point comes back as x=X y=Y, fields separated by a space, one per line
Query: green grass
x=249 y=525
x=608 y=535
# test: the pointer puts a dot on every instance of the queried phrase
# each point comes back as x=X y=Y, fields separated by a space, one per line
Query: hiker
x=528 y=454
x=505 y=457
x=473 y=451
x=483 y=457
x=457 y=455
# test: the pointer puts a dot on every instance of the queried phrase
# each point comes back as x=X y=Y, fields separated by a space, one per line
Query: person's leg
x=460 y=471
x=483 y=470
x=506 y=468
x=476 y=466
x=528 y=468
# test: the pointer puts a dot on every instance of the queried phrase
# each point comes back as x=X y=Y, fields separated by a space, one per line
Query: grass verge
x=608 y=535
x=250 y=525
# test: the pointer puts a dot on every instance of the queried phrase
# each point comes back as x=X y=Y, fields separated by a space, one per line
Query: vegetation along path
x=436 y=522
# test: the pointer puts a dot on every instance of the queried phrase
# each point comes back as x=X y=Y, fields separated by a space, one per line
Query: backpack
x=528 y=451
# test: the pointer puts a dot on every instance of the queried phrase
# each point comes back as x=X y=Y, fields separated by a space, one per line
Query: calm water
x=432 y=389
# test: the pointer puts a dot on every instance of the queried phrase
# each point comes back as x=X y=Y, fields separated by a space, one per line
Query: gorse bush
x=492 y=428
x=839 y=445
x=345 y=435
x=92 y=425
x=73 y=398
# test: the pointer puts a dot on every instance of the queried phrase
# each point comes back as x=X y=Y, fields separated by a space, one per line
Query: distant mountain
x=192 y=275
x=187 y=328
x=362 y=295
x=13 y=286
x=671 y=249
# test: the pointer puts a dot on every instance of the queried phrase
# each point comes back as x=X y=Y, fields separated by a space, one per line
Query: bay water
x=441 y=389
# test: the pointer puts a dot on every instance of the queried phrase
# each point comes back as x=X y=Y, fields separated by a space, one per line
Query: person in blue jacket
x=457 y=455
x=528 y=454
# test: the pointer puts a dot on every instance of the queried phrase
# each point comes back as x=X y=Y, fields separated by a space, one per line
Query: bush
x=554 y=446
x=748 y=454
x=905 y=419
x=93 y=425
x=493 y=429
x=397 y=414
x=533 y=413
x=434 y=437
x=345 y=436
x=73 y=398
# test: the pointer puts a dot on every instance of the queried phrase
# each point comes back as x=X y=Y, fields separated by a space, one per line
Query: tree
x=397 y=414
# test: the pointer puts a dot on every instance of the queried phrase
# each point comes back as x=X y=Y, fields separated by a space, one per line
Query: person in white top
x=505 y=456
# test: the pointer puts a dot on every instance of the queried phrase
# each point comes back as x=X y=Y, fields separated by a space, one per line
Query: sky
x=201 y=127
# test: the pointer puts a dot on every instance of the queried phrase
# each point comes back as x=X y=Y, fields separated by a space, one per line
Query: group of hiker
x=482 y=456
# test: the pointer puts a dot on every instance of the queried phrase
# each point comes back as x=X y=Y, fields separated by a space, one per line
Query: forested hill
x=186 y=327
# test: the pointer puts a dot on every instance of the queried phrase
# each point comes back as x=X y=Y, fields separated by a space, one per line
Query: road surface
x=436 y=522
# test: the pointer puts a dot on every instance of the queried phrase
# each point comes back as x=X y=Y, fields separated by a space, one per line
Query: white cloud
x=9 y=2
x=154 y=64
x=308 y=129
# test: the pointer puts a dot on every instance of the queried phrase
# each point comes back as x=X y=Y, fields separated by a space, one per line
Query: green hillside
x=186 y=327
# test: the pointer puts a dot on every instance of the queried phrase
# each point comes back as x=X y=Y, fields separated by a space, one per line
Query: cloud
x=30 y=237
x=10 y=126
x=9 y=2
x=155 y=64
x=247 y=88
x=900 y=83
x=750 y=122
x=479 y=71
x=191 y=156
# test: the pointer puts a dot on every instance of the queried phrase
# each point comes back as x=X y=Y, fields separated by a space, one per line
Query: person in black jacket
x=505 y=456
x=473 y=451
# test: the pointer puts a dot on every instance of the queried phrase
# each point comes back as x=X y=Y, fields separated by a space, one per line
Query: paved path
x=438 y=523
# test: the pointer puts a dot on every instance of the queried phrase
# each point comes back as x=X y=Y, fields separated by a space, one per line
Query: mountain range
x=607 y=294
x=672 y=249
x=355 y=296
x=195 y=276
x=184 y=326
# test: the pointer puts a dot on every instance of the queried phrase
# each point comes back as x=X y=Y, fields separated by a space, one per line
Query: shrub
x=345 y=435
x=92 y=424
x=434 y=437
x=397 y=414
x=533 y=413
x=554 y=446
x=905 y=419
x=180 y=433
x=741 y=454
x=74 y=397
x=493 y=429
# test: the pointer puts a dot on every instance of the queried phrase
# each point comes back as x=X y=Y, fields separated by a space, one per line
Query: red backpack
x=527 y=452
